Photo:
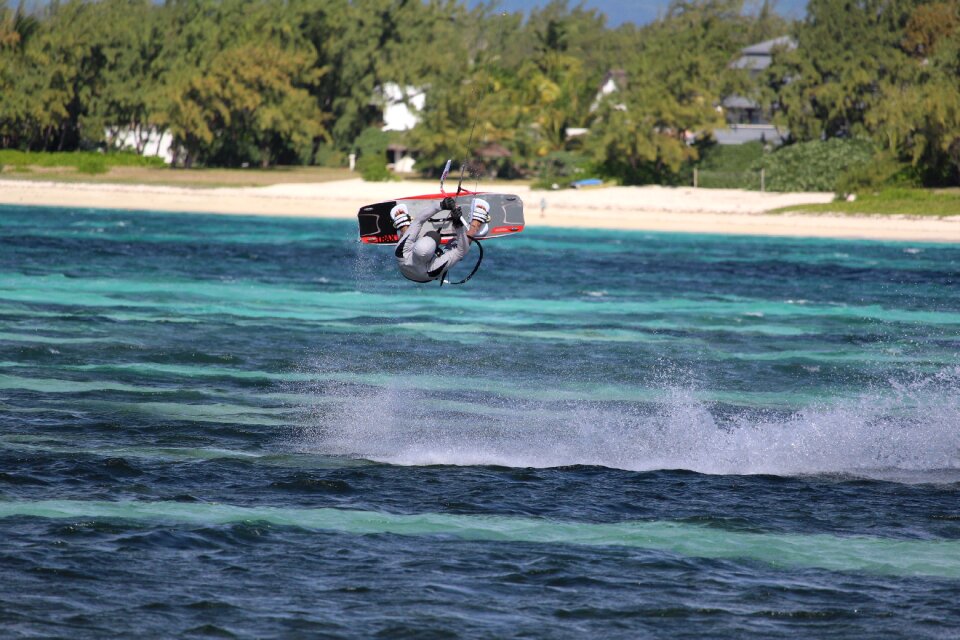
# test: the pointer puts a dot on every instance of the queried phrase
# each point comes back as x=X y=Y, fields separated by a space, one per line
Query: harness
x=439 y=252
x=475 y=267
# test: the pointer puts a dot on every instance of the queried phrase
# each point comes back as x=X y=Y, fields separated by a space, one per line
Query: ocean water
x=247 y=427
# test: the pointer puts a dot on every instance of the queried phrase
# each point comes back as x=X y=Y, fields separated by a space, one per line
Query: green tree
x=235 y=83
x=846 y=50
x=126 y=39
x=643 y=134
x=552 y=80
x=472 y=98
x=16 y=29
x=49 y=66
x=522 y=83
x=928 y=24
x=917 y=115
x=767 y=24
x=369 y=43
x=372 y=147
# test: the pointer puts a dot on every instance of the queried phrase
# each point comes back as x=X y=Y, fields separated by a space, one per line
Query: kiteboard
x=506 y=216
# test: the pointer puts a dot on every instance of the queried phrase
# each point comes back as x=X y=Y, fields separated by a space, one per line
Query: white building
x=615 y=80
x=401 y=112
x=153 y=142
x=401 y=106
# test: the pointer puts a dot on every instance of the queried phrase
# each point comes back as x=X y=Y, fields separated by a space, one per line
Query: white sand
x=638 y=208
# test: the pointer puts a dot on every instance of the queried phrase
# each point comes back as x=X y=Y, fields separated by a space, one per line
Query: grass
x=130 y=168
x=48 y=169
x=909 y=202
x=88 y=162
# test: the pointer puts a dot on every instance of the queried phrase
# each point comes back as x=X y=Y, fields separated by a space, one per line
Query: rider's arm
x=414 y=229
x=453 y=254
x=429 y=213
x=475 y=226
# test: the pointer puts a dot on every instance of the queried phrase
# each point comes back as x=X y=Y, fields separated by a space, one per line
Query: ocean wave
x=933 y=558
x=896 y=432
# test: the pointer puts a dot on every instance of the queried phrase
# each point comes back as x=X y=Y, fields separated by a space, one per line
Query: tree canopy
x=269 y=82
x=881 y=70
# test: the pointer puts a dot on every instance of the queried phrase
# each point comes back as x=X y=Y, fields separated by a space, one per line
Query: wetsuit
x=431 y=268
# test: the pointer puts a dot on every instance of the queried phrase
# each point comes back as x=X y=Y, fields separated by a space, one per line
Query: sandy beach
x=649 y=208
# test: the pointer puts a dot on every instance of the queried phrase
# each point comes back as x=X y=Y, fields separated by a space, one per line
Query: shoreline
x=649 y=208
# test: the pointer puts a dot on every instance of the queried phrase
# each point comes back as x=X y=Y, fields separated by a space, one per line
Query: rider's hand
x=448 y=203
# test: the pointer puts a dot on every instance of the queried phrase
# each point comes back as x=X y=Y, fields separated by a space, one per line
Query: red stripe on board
x=379 y=239
x=514 y=228
x=440 y=196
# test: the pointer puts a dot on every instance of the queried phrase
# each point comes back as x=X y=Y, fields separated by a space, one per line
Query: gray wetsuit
x=425 y=271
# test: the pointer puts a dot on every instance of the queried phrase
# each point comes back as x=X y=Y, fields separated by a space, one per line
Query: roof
x=739 y=134
x=618 y=77
x=766 y=47
x=494 y=150
x=739 y=102
x=752 y=63
x=758 y=56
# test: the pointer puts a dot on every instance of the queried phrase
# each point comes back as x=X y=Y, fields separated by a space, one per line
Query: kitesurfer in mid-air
x=420 y=256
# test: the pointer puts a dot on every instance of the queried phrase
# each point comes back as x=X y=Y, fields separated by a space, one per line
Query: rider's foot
x=481 y=211
x=400 y=216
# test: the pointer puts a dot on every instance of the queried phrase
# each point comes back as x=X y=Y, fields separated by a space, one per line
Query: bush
x=728 y=166
x=373 y=168
x=128 y=159
x=814 y=166
x=730 y=158
x=748 y=180
x=561 y=168
x=883 y=171
x=91 y=164
x=372 y=164
x=329 y=156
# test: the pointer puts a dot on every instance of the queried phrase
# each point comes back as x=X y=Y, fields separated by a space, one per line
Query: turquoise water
x=255 y=427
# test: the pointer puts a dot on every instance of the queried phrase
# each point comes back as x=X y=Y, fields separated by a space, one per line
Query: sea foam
x=907 y=430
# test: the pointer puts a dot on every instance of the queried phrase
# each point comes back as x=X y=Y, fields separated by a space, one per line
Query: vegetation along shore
x=860 y=99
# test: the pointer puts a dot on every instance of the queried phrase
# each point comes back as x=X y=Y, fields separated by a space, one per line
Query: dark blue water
x=227 y=426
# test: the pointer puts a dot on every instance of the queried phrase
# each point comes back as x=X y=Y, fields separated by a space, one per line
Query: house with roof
x=746 y=118
x=401 y=112
x=146 y=141
x=747 y=121
x=614 y=80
